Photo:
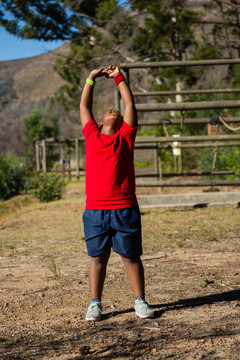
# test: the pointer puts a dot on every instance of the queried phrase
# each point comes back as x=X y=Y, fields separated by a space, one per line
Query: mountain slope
x=34 y=78
x=24 y=85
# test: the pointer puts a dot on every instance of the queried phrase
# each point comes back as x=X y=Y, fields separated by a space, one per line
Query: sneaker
x=94 y=312
x=143 y=310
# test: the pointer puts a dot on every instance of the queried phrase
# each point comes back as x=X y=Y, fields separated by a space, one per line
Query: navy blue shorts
x=119 y=229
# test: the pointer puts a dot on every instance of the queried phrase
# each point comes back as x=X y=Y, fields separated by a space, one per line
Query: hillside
x=24 y=85
x=28 y=83
x=34 y=78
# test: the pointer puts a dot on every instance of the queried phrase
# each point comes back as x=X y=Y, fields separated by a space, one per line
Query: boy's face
x=113 y=118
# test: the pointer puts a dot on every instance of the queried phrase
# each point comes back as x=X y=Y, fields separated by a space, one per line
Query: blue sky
x=15 y=48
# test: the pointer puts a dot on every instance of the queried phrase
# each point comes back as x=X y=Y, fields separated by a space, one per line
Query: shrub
x=48 y=187
x=227 y=159
x=12 y=176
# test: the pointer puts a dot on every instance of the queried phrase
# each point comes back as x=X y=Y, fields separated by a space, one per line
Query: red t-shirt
x=110 y=177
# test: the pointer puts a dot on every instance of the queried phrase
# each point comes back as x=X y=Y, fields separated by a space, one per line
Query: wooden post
x=69 y=160
x=156 y=160
x=37 y=156
x=44 y=159
x=180 y=163
x=159 y=163
x=125 y=72
x=62 y=161
x=215 y=151
x=77 y=158
x=117 y=100
x=175 y=163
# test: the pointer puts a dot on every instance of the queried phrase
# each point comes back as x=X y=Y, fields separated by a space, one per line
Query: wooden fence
x=185 y=142
x=155 y=144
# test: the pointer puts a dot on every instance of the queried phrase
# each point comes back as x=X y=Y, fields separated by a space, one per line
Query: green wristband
x=90 y=82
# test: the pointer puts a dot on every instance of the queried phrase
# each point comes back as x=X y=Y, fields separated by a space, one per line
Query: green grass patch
x=143 y=164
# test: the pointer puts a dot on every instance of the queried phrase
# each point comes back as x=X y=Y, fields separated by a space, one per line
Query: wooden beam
x=186 y=121
x=186 y=92
x=160 y=139
x=165 y=64
x=189 y=183
x=199 y=173
x=198 y=105
x=204 y=145
x=206 y=173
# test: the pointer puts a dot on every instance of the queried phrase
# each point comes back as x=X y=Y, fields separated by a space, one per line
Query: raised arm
x=130 y=113
x=86 y=102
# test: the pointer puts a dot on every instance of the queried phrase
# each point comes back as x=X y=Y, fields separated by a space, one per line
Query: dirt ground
x=191 y=261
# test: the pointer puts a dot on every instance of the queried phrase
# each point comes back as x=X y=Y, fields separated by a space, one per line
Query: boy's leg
x=135 y=274
x=97 y=273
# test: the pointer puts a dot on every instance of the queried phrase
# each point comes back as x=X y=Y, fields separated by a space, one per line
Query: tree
x=167 y=33
x=96 y=29
x=37 y=19
x=226 y=24
x=108 y=41
x=38 y=126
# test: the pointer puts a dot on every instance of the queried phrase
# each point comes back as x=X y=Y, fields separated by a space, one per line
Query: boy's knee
x=102 y=258
x=136 y=260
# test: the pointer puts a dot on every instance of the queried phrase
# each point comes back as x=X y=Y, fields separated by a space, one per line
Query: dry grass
x=191 y=260
x=48 y=227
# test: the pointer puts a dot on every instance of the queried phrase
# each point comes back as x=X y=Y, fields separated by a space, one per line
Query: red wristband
x=119 y=78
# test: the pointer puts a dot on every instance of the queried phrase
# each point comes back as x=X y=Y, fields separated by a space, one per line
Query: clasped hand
x=109 y=72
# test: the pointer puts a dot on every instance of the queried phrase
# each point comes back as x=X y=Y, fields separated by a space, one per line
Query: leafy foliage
x=12 y=177
x=168 y=30
x=48 y=187
x=102 y=31
x=42 y=20
x=227 y=160
x=39 y=126
x=92 y=45
x=228 y=28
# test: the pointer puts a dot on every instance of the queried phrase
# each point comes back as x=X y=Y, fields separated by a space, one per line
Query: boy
x=112 y=216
